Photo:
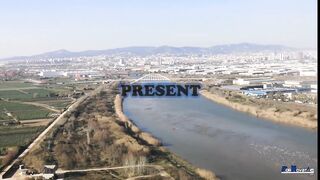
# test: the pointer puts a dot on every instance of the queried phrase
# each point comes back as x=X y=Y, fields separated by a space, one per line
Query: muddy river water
x=233 y=144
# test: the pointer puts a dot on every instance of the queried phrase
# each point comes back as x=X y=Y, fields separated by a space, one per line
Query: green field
x=28 y=94
x=23 y=111
x=17 y=136
x=58 y=104
x=14 y=84
x=12 y=96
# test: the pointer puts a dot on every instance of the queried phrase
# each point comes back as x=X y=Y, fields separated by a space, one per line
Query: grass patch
x=23 y=111
x=18 y=136
x=14 y=84
x=14 y=94
x=59 y=104
x=27 y=94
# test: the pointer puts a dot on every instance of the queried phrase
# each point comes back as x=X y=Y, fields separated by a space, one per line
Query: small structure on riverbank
x=49 y=171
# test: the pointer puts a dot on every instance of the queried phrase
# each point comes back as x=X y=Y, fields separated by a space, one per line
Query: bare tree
x=141 y=163
x=130 y=160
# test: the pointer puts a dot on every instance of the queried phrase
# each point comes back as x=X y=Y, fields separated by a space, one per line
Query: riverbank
x=108 y=142
x=269 y=113
x=148 y=138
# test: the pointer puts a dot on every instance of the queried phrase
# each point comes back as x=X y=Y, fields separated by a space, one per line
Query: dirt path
x=36 y=122
x=39 y=105
x=161 y=172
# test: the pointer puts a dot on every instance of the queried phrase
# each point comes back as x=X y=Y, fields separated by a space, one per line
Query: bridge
x=157 y=77
x=151 y=77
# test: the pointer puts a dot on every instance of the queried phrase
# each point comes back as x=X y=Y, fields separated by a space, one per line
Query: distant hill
x=149 y=50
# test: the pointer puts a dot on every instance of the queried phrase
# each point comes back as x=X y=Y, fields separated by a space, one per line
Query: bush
x=206 y=174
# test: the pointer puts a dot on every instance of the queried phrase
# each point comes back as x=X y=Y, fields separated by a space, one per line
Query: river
x=232 y=144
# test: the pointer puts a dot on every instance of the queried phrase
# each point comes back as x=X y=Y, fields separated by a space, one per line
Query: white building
x=292 y=84
x=52 y=73
x=241 y=81
x=308 y=73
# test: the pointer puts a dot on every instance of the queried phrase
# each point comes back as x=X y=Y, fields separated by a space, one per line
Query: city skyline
x=34 y=27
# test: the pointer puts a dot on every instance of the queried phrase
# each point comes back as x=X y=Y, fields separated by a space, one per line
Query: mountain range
x=149 y=50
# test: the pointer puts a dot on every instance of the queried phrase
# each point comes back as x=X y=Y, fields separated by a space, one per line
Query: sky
x=37 y=26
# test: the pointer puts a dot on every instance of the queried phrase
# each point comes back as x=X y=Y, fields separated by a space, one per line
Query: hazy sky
x=36 y=26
